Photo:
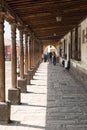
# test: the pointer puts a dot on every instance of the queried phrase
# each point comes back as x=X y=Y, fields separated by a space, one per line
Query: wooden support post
x=14 y=92
x=4 y=106
x=22 y=81
x=27 y=76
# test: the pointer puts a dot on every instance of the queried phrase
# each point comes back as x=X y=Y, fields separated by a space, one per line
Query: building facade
x=73 y=48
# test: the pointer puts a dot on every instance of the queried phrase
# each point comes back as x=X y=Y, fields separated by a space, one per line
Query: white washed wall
x=83 y=45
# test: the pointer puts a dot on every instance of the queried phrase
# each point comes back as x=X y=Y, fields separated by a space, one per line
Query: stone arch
x=49 y=48
x=52 y=44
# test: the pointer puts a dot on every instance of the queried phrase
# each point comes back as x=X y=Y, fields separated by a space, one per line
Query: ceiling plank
x=40 y=15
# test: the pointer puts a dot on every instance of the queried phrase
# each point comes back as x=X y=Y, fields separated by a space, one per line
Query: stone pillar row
x=32 y=54
x=35 y=56
x=28 y=65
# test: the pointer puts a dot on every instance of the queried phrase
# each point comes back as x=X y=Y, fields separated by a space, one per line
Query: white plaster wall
x=84 y=45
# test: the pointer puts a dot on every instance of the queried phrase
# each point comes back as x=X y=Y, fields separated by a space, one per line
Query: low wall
x=79 y=71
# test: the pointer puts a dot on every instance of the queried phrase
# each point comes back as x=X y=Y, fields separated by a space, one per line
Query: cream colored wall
x=84 y=45
x=83 y=63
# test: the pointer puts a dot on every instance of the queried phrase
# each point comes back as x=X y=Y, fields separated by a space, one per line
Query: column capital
x=73 y=29
x=32 y=35
x=28 y=33
x=12 y=22
x=25 y=30
x=20 y=27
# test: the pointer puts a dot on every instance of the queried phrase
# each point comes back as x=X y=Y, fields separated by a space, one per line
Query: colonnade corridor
x=54 y=101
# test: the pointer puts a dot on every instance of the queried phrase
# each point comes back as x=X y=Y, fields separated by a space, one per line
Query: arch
x=46 y=44
x=49 y=48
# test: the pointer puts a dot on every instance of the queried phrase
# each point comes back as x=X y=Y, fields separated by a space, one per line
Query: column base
x=37 y=66
x=31 y=74
x=4 y=112
x=14 y=96
x=22 y=84
x=34 y=69
x=27 y=76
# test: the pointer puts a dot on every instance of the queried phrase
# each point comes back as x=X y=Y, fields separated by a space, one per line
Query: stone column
x=2 y=60
x=30 y=50
x=4 y=106
x=37 y=52
x=22 y=81
x=31 y=57
x=35 y=55
x=31 y=71
x=29 y=60
x=40 y=52
x=33 y=47
x=21 y=53
x=38 y=55
x=14 y=92
x=27 y=76
x=26 y=53
x=33 y=44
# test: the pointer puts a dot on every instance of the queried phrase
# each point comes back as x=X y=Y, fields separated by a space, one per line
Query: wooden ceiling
x=41 y=15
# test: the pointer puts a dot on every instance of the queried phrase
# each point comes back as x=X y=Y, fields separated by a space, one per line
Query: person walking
x=54 y=58
x=50 y=57
x=42 y=57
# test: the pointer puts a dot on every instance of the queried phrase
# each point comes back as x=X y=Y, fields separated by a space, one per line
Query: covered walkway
x=55 y=100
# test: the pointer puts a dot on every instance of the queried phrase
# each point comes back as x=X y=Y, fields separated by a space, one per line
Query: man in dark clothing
x=54 y=59
x=50 y=57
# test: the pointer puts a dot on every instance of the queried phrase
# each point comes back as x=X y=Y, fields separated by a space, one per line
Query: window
x=83 y=36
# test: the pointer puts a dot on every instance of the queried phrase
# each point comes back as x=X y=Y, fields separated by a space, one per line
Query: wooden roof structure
x=49 y=19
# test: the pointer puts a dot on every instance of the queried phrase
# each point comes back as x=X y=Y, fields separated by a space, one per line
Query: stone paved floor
x=54 y=101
